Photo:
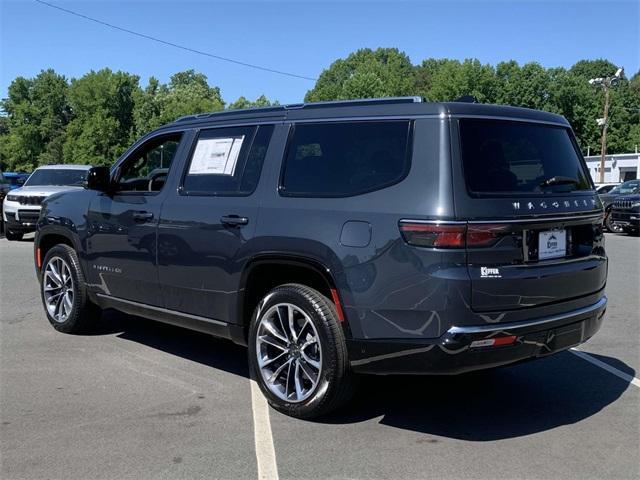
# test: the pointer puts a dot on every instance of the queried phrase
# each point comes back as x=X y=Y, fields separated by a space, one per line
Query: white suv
x=21 y=207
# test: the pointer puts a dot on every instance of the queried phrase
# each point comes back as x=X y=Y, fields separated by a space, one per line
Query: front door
x=122 y=224
x=206 y=230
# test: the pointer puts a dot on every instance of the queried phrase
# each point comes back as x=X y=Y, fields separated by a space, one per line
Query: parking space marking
x=265 y=450
x=605 y=366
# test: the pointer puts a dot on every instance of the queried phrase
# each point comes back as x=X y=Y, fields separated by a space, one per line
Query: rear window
x=345 y=159
x=512 y=157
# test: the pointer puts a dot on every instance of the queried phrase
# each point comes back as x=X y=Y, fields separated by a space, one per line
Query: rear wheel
x=64 y=293
x=13 y=235
x=298 y=354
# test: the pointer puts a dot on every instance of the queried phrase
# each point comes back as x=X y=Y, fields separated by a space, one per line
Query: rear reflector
x=494 y=342
x=336 y=301
x=38 y=257
x=451 y=235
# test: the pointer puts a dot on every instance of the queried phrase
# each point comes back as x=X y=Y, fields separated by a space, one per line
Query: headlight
x=635 y=204
x=12 y=198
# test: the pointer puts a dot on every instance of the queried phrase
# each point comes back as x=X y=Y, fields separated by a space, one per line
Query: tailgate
x=537 y=262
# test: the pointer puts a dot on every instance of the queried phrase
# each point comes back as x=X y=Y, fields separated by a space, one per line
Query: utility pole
x=606 y=83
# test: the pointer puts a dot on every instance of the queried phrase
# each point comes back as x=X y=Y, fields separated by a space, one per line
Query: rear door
x=205 y=228
x=535 y=223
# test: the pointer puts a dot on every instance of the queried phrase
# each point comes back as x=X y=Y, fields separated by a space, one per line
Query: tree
x=102 y=104
x=452 y=79
x=365 y=73
x=187 y=93
x=36 y=116
x=243 y=102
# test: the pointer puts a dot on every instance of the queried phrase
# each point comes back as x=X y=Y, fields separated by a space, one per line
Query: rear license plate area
x=552 y=244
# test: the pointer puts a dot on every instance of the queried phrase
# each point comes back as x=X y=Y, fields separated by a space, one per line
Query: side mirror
x=99 y=179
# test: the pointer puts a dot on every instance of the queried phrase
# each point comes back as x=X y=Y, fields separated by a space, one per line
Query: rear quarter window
x=345 y=159
x=517 y=157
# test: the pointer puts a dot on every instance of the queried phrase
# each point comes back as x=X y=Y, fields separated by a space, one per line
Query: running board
x=172 y=317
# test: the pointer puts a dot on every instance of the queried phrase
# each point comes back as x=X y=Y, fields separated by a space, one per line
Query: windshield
x=50 y=176
x=626 y=188
x=515 y=157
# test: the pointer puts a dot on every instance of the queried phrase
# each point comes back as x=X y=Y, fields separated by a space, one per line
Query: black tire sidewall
x=314 y=405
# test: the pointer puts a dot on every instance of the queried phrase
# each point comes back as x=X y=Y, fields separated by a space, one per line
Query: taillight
x=451 y=235
x=439 y=235
x=484 y=235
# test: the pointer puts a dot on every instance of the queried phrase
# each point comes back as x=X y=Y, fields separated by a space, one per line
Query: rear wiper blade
x=559 y=181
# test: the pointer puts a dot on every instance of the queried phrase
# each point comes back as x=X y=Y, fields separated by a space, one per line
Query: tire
x=609 y=225
x=13 y=236
x=70 y=311
x=314 y=317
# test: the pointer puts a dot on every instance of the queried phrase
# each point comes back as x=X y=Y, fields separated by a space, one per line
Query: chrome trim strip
x=432 y=222
x=542 y=219
x=498 y=327
x=163 y=310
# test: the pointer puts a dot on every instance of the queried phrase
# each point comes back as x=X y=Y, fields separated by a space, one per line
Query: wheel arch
x=254 y=283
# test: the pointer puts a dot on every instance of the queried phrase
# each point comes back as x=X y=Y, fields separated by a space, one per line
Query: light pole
x=606 y=83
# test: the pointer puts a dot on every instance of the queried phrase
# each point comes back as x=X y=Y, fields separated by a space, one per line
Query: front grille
x=623 y=203
x=28 y=216
x=29 y=199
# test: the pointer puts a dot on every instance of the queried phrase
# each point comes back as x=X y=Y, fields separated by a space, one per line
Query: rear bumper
x=452 y=353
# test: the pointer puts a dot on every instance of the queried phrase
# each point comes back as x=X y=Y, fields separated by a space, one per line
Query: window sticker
x=216 y=156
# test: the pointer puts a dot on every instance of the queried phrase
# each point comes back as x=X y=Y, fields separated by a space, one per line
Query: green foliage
x=102 y=104
x=243 y=102
x=385 y=72
x=93 y=119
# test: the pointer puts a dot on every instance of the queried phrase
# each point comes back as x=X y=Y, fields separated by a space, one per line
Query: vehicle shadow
x=494 y=404
x=482 y=406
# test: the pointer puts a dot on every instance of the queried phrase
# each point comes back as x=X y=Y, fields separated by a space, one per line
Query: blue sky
x=304 y=37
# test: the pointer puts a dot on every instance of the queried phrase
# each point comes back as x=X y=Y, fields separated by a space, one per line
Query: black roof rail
x=358 y=101
x=296 y=106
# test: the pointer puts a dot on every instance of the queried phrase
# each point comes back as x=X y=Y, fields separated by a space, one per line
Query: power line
x=175 y=45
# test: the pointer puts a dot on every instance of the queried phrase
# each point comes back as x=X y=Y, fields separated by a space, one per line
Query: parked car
x=21 y=206
x=602 y=188
x=625 y=213
x=5 y=186
x=15 y=179
x=627 y=188
x=381 y=236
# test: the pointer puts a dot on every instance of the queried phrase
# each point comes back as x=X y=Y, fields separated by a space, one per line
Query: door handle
x=234 y=220
x=142 y=216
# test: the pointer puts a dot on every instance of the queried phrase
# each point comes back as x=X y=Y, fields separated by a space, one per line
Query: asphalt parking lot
x=144 y=400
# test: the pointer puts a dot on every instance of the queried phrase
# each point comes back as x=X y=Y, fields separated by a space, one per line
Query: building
x=617 y=168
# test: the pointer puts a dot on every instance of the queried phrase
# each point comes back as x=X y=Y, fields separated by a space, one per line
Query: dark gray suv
x=388 y=236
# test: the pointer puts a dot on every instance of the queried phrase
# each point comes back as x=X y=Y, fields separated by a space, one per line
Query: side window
x=227 y=161
x=146 y=170
x=344 y=159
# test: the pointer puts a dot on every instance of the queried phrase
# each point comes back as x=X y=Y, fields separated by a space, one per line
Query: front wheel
x=298 y=354
x=609 y=225
x=64 y=293
x=13 y=236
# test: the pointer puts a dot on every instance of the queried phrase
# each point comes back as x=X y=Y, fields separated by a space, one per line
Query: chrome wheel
x=57 y=286
x=288 y=352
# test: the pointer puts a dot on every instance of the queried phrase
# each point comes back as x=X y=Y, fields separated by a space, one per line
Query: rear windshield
x=48 y=176
x=515 y=157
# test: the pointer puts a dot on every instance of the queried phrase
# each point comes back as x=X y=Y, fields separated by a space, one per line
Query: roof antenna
x=467 y=99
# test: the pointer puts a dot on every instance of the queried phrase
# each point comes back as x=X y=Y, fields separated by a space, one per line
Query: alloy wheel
x=57 y=286
x=289 y=352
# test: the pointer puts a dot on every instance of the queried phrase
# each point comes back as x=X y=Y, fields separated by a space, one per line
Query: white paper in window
x=216 y=156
